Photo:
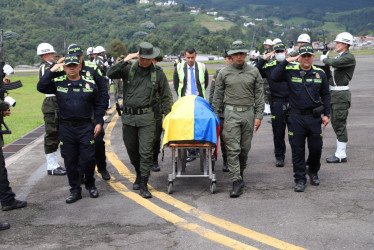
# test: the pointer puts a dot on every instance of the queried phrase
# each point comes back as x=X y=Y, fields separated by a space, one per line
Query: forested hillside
x=120 y=24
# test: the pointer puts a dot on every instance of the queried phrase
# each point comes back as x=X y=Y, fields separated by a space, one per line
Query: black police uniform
x=78 y=101
x=278 y=100
x=301 y=122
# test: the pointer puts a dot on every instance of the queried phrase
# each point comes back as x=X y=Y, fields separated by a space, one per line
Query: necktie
x=193 y=83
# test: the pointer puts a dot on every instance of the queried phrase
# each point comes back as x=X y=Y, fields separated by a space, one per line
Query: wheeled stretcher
x=191 y=124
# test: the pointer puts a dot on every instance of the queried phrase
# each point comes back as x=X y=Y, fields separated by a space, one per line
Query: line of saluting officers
x=301 y=99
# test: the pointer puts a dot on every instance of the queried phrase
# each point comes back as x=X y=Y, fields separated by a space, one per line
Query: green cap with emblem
x=71 y=59
x=147 y=51
x=306 y=49
x=237 y=47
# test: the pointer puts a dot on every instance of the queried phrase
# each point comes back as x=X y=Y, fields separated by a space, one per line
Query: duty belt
x=279 y=99
x=75 y=123
x=302 y=111
x=339 y=87
x=239 y=109
x=136 y=111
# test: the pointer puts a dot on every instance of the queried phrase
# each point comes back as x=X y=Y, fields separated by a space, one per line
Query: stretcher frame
x=179 y=155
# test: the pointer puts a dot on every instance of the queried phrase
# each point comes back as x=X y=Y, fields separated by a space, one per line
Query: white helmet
x=255 y=53
x=268 y=42
x=44 y=48
x=98 y=49
x=344 y=37
x=303 y=38
x=276 y=40
x=90 y=50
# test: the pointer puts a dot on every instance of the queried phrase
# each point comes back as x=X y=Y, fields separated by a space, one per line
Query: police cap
x=71 y=59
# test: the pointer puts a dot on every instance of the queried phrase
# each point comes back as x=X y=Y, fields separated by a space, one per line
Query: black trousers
x=302 y=128
x=279 y=129
x=100 y=151
x=6 y=193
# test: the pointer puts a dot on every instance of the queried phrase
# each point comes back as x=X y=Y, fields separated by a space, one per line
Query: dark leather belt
x=279 y=99
x=137 y=111
x=302 y=111
x=75 y=123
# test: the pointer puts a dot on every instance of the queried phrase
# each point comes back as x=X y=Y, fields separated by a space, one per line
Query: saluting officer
x=228 y=61
x=50 y=109
x=278 y=100
x=342 y=68
x=78 y=100
x=309 y=98
x=140 y=108
x=239 y=90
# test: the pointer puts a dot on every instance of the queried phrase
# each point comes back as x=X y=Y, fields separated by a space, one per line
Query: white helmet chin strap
x=337 y=50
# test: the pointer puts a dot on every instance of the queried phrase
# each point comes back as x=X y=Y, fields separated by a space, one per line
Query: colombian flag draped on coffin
x=191 y=120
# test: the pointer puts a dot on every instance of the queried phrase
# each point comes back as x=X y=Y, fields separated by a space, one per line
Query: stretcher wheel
x=213 y=187
x=170 y=187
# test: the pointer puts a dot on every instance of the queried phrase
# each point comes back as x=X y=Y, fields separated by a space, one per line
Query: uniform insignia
x=87 y=86
x=88 y=73
x=318 y=76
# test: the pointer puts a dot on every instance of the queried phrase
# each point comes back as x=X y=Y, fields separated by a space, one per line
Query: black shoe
x=242 y=175
x=14 y=205
x=144 y=188
x=314 y=180
x=334 y=159
x=189 y=159
x=225 y=167
x=279 y=163
x=270 y=121
x=105 y=174
x=107 y=120
x=57 y=171
x=4 y=225
x=73 y=197
x=136 y=185
x=93 y=192
x=299 y=187
x=236 y=189
x=155 y=167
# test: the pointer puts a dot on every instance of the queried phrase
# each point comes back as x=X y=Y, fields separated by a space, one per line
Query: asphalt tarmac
x=338 y=214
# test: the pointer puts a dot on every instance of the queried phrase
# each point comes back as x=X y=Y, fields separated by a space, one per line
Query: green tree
x=116 y=48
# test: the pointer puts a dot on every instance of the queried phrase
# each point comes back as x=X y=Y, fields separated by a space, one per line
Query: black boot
x=155 y=167
x=144 y=188
x=136 y=185
x=236 y=189
x=225 y=167
x=242 y=175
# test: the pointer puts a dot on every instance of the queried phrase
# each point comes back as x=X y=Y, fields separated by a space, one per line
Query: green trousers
x=51 y=138
x=237 y=133
x=339 y=115
x=139 y=145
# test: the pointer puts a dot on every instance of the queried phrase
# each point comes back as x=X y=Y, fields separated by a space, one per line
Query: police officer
x=140 y=108
x=278 y=100
x=190 y=78
x=342 y=68
x=100 y=60
x=50 y=109
x=238 y=88
x=7 y=197
x=117 y=85
x=309 y=98
x=90 y=54
x=228 y=61
x=91 y=71
x=78 y=100
x=268 y=45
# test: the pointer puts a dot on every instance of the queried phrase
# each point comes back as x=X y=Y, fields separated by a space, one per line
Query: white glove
x=8 y=69
x=323 y=57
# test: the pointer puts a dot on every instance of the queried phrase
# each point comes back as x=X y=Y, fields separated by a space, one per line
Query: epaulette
x=60 y=78
x=272 y=63
x=293 y=65
x=90 y=64
x=316 y=68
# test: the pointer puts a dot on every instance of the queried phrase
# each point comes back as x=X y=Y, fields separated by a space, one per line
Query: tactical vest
x=180 y=70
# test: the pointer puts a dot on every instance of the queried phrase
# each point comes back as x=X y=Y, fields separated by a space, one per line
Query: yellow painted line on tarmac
x=178 y=221
x=124 y=171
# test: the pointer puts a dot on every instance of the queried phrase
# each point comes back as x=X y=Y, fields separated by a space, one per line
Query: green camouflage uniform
x=342 y=69
x=138 y=119
x=240 y=90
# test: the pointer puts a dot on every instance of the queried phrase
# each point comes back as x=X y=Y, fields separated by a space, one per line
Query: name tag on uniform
x=61 y=89
x=87 y=90
x=76 y=90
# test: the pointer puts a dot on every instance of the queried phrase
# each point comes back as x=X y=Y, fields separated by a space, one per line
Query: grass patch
x=211 y=24
x=27 y=114
x=333 y=27
x=169 y=73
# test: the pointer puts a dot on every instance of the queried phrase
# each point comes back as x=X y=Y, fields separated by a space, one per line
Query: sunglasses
x=306 y=55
